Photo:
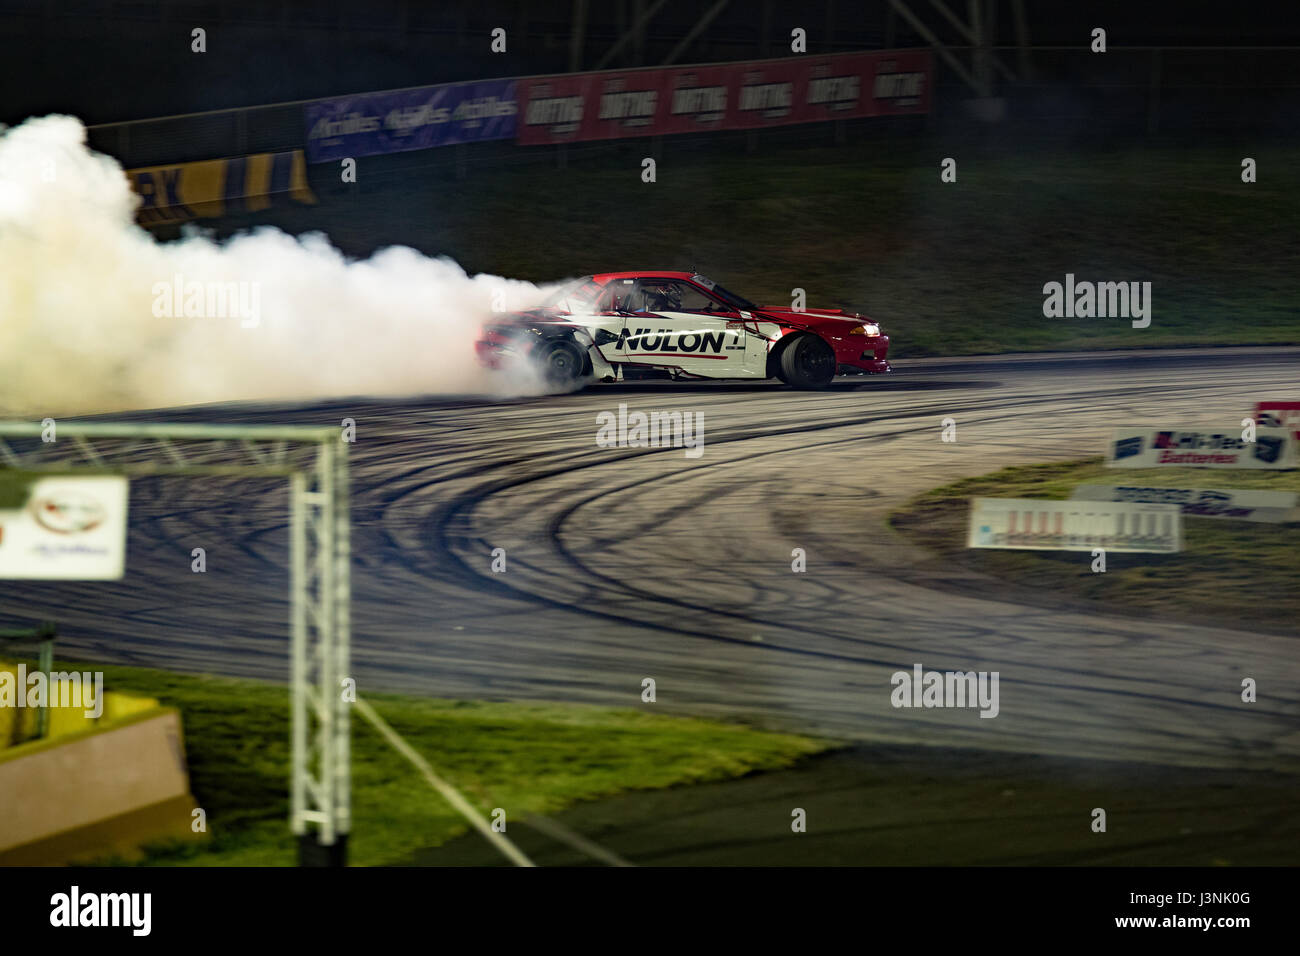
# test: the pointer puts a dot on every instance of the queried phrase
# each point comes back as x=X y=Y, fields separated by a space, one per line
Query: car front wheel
x=808 y=362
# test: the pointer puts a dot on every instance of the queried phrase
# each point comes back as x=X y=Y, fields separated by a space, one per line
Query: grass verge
x=522 y=757
x=1236 y=572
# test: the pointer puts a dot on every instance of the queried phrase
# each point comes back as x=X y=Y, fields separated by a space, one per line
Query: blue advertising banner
x=373 y=123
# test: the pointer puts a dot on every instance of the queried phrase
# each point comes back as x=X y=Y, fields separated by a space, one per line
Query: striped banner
x=219 y=187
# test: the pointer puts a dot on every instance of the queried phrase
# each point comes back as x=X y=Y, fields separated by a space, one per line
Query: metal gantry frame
x=979 y=31
x=314 y=460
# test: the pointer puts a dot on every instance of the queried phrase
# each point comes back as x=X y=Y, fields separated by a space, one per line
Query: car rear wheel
x=808 y=362
x=562 y=363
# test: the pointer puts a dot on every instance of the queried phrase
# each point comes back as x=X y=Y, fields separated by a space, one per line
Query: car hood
x=830 y=320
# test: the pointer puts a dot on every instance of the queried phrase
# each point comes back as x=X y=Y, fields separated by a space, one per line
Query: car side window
x=671 y=295
x=627 y=292
x=694 y=300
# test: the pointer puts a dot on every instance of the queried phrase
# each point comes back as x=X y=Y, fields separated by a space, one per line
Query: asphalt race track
x=627 y=563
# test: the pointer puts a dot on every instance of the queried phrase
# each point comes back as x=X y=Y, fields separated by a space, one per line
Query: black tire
x=562 y=362
x=807 y=362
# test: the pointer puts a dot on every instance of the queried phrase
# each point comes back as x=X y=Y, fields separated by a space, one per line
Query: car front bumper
x=861 y=354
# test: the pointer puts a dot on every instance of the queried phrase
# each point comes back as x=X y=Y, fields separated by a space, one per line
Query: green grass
x=948 y=268
x=1238 y=573
x=15 y=487
x=525 y=758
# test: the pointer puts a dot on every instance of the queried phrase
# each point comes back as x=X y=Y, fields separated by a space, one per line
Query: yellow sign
x=218 y=187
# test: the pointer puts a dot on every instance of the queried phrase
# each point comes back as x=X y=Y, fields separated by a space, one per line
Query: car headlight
x=869 y=328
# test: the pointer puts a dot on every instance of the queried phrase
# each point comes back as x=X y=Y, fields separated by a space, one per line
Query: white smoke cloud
x=80 y=284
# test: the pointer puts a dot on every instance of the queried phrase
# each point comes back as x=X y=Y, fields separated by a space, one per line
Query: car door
x=671 y=323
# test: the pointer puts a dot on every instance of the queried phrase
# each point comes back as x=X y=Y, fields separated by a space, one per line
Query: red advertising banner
x=1279 y=415
x=751 y=95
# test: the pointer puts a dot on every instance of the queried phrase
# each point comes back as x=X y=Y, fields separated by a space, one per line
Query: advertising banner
x=1273 y=507
x=216 y=187
x=1199 y=447
x=372 y=123
x=69 y=529
x=749 y=95
x=1279 y=415
x=1038 y=524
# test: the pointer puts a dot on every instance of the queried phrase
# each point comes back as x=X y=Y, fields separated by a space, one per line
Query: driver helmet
x=663 y=298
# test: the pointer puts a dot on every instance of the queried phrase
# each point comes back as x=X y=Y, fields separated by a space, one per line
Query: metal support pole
x=324 y=690
x=1022 y=40
x=639 y=20
x=298 y=651
x=635 y=36
x=342 y=636
x=701 y=25
x=1153 y=101
x=46 y=633
x=321 y=658
x=980 y=50
x=620 y=21
x=578 y=37
x=971 y=34
x=928 y=36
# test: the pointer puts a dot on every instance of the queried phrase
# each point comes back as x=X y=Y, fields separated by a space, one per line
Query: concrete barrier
x=101 y=790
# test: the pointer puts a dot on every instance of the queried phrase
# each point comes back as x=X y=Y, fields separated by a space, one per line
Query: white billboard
x=69 y=529
x=1142 y=446
x=1242 y=505
x=1039 y=524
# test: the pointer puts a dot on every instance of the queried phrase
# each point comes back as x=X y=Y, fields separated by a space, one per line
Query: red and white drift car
x=640 y=324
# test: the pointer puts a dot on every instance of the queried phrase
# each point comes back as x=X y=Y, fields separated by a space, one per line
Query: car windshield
x=576 y=296
x=735 y=301
x=739 y=301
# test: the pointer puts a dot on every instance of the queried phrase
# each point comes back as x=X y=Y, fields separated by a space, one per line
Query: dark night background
x=113 y=60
